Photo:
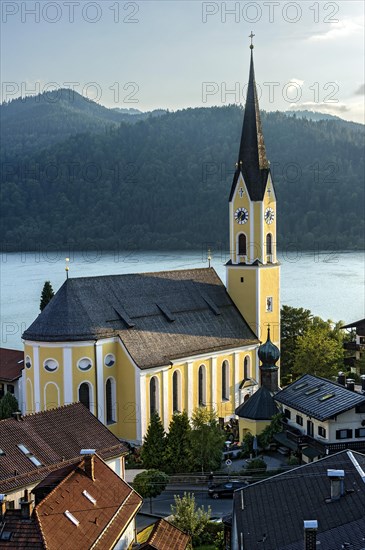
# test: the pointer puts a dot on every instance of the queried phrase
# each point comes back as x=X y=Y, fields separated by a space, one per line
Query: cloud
x=327 y=108
x=341 y=29
x=360 y=90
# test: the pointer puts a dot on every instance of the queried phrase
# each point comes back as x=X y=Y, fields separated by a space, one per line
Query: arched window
x=154 y=398
x=176 y=390
x=110 y=394
x=242 y=245
x=269 y=243
x=246 y=368
x=202 y=390
x=225 y=380
x=84 y=394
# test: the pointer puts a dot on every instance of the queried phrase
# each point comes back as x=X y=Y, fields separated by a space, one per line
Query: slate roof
x=252 y=153
x=165 y=536
x=260 y=406
x=11 y=364
x=300 y=396
x=100 y=524
x=158 y=316
x=53 y=437
x=25 y=534
x=274 y=509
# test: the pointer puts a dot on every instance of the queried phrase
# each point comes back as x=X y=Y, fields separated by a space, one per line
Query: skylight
x=300 y=386
x=29 y=455
x=2 y=453
x=326 y=396
x=312 y=390
x=89 y=497
x=71 y=517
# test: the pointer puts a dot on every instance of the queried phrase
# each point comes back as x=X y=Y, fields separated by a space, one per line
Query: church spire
x=252 y=154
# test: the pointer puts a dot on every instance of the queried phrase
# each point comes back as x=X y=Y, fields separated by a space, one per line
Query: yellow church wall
x=241 y=202
x=79 y=377
x=55 y=379
x=243 y=293
x=128 y=415
x=269 y=285
x=254 y=427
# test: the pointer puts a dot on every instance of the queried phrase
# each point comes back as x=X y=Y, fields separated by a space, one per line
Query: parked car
x=225 y=489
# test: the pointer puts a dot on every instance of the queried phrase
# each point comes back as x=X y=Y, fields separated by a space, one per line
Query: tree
x=294 y=323
x=8 y=405
x=207 y=440
x=267 y=435
x=154 y=444
x=188 y=517
x=178 y=456
x=150 y=484
x=318 y=352
x=47 y=295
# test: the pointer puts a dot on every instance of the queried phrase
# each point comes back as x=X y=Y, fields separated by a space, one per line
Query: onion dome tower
x=269 y=355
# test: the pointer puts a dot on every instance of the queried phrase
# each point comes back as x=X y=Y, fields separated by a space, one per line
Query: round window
x=84 y=364
x=109 y=360
x=51 y=365
x=28 y=362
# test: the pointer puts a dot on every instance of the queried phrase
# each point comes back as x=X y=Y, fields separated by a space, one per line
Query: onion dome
x=268 y=353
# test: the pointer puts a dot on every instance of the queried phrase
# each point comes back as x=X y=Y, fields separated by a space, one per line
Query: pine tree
x=154 y=444
x=207 y=440
x=47 y=295
x=8 y=405
x=178 y=444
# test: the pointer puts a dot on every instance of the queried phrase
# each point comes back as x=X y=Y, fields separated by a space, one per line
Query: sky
x=175 y=54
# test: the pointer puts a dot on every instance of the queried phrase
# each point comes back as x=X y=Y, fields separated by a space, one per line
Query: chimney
x=337 y=483
x=26 y=505
x=310 y=534
x=88 y=455
x=341 y=379
x=17 y=415
x=2 y=507
x=362 y=378
x=350 y=384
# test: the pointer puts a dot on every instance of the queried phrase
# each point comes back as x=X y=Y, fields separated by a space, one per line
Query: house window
x=225 y=381
x=176 y=388
x=322 y=431
x=50 y=365
x=299 y=420
x=343 y=434
x=153 y=395
x=310 y=427
x=84 y=364
x=2 y=390
x=269 y=304
x=242 y=245
x=360 y=432
x=246 y=368
x=10 y=388
x=269 y=243
x=110 y=395
x=84 y=394
x=201 y=386
x=109 y=360
x=287 y=414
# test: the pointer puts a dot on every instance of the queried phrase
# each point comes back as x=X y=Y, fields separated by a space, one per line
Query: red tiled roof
x=24 y=534
x=165 y=536
x=54 y=437
x=100 y=524
x=11 y=364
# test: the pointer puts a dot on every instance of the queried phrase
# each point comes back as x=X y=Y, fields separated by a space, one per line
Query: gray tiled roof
x=158 y=316
x=260 y=406
x=300 y=397
x=275 y=509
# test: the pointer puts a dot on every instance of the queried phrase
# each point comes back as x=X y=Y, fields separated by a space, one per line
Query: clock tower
x=253 y=272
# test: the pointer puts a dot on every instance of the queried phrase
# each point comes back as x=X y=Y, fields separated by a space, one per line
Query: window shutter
x=357 y=432
x=349 y=433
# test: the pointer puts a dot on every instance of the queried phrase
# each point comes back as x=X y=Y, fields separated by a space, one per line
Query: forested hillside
x=164 y=182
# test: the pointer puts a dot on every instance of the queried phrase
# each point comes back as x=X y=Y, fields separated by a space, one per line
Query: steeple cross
x=241 y=192
x=251 y=36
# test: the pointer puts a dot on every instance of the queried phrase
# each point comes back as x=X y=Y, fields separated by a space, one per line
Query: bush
x=257 y=465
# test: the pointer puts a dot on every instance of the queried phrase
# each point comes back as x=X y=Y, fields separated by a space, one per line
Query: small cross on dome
x=251 y=36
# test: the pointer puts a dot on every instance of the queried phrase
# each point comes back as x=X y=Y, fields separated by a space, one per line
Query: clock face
x=269 y=215
x=241 y=215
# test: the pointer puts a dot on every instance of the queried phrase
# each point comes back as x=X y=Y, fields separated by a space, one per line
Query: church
x=128 y=346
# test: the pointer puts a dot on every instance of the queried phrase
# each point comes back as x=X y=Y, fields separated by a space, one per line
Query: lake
x=330 y=284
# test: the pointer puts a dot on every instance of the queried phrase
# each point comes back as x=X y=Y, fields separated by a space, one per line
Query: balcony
x=353 y=346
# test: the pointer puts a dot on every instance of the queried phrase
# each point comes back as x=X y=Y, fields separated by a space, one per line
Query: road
x=161 y=505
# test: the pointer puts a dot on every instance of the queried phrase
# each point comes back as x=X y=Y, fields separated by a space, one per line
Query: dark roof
x=329 y=400
x=351 y=533
x=163 y=535
x=24 y=534
x=360 y=325
x=252 y=161
x=260 y=406
x=100 y=523
x=76 y=428
x=11 y=364
x=274 y=509
x=139 y=308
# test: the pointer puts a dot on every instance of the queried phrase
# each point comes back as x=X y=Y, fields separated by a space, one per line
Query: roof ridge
x=165 y=271
x=67 y=476
x=45 y=411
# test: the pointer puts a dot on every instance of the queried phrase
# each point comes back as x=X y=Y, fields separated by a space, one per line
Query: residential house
x=162 y=535
x=11 y=367
x=357 y=345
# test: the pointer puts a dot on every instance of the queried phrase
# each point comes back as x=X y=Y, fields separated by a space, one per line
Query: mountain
x=163 y=182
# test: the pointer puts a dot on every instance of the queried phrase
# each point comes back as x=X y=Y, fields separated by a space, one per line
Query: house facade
x=11 y=368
